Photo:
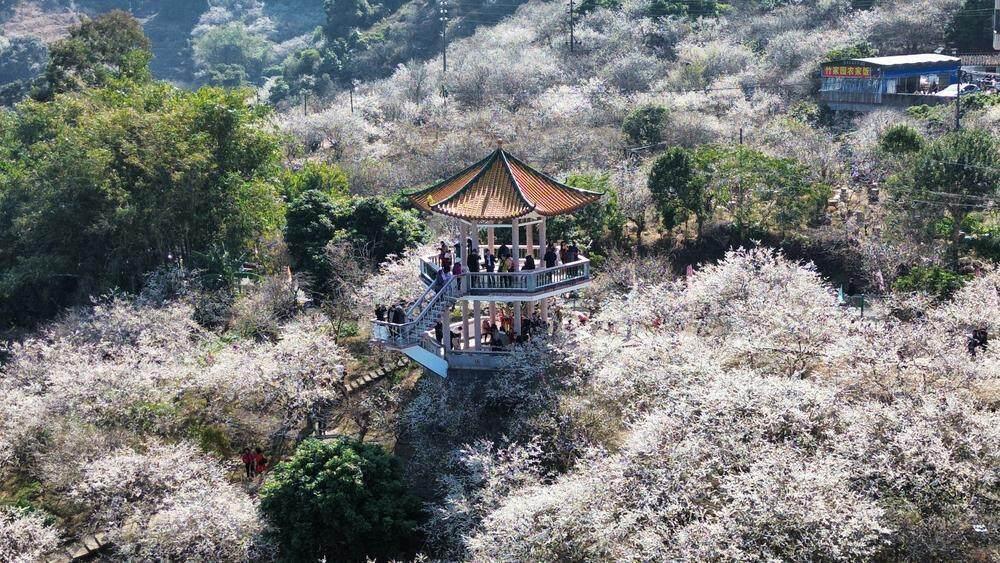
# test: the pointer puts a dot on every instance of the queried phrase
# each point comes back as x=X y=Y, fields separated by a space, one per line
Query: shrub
x=342 y=500
x=934 y=280
x=644 y=125
x=901 y=139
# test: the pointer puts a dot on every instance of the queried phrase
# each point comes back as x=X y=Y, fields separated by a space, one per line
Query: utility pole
x=741 y=135
x=305 y=99
x=444 y=36
x=572 y=39
x=353 y=84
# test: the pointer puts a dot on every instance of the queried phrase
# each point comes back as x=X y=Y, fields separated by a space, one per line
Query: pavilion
x=498 y=193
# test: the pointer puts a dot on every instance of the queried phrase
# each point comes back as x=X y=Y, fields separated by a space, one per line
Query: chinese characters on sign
x=847 y=72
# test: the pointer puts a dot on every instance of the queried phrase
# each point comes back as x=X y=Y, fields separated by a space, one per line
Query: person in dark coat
x=473 y=261
x=473 y=264
x=550 y=256
x=529 y=263
x=572 y=253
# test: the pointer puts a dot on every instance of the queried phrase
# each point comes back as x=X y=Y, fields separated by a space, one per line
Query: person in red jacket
x=248 y=462
x=260 y=462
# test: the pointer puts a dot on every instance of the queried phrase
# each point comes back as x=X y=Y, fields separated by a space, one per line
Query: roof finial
x=499 y=143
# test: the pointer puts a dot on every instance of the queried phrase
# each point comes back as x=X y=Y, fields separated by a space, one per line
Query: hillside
x=246 y=42
x=747 y=326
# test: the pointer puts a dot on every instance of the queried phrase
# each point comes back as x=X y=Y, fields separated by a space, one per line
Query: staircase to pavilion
x=411 y=337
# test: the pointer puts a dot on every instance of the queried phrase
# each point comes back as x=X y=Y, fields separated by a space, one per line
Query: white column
x=528 y=238
x=542 y=243
x=465 y=324
x=517 y=317
x=446 y=330
x=477 y=317
x=493 y=312
x=515 y=244
x=491 y=239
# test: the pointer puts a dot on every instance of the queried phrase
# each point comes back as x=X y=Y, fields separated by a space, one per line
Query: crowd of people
x=503 y=260
x=499 y=334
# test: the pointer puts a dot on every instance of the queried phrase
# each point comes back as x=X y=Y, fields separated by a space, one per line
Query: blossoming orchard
x=516 y=281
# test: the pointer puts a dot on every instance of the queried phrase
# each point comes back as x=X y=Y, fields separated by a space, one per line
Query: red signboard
x=847 y=71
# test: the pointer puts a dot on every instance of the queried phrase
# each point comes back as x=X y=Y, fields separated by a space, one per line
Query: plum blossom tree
x=24 y=537
x=169 y=501
x=745 y=416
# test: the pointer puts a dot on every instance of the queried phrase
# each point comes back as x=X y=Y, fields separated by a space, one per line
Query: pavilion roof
x=500 y=187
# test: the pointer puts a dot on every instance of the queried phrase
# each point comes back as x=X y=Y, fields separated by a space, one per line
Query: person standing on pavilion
x=572 y=253
x=473 y=264
x=550 y=256
x=490 y=265
x=503 y=251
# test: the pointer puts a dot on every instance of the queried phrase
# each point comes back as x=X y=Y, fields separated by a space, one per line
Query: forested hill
x=285 y=45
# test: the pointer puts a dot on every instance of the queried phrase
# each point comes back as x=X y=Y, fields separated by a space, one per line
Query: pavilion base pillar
x=465 y=325
x=477 y=318
x=517 y=317
x=446 y=331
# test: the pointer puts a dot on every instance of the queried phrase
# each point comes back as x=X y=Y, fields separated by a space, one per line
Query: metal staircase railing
x=421 y=316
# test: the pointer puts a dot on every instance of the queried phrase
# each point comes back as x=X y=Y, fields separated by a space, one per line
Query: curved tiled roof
x=498 y=188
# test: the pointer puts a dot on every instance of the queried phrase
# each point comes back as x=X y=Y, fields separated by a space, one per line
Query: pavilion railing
x=524 y=281
x=421 y=316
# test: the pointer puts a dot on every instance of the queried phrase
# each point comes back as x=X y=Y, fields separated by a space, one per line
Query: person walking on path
x=248 y=463
x=260 y=462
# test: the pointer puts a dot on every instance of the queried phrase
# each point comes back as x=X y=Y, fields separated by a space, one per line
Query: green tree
x=310 y=224
x=901 y=139
x=677 y=188
x=327 y=178
x=687 y=8
x=231 y=55
x=106 y=185
x=949 y=179
x=644 y=125
x=111 y=46
x=341 y=500
x=761 y=191
x=381 y=225
x=855 y=51
x=595 y=224
x=971 y=29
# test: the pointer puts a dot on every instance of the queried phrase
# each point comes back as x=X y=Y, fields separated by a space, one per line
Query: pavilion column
x=446 y=330
x=515 y=244
x=542 y=246
x=477 y=317
x=515 y=250
x=542 y=243
x=528 y=239
x=491 y=239
x=465 y=325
